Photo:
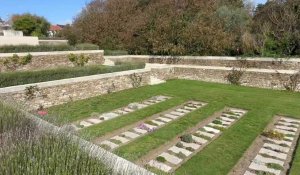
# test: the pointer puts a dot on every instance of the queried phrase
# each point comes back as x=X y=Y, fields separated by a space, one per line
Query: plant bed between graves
x=97 y=118
x=191 y=143
x=272 y=152
x=151 y=124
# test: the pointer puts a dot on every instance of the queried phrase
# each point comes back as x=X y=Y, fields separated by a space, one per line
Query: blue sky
x=56 y=11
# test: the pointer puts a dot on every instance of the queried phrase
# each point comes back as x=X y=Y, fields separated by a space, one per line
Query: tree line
x=190 y=27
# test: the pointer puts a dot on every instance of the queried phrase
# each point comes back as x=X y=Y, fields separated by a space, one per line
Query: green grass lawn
x=218 y=157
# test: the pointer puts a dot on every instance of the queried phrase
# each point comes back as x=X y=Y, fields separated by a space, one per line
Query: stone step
x=289 y=120
x=177 y=113
x=288 y=124
x=171 y=116
x=227 y=119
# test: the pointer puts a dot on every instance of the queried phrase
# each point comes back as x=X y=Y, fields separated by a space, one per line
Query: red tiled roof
x=55 y=28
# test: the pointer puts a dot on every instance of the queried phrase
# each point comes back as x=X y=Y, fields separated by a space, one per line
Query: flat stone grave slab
x=130 y=134
x=172 y=159
x=160 y=166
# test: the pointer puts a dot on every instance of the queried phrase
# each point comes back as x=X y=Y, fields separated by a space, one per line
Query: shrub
x=30 y=92
x=136 y=80
x=190 y=149
x=234 y=77
x=161 y=159
x=181 y=155
x=179 y=145
x=273 y=135
x=292 y=83
x=217 y=122
x=187 y=138
x=274 y=166
x=15 y=61
x=80 y=60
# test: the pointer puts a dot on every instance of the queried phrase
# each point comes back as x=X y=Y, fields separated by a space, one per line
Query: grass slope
x=224 y=152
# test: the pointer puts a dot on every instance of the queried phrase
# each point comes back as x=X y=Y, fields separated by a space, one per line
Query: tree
x=31 y=25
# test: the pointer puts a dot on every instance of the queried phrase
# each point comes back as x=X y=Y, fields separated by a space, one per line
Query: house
x=55 y=29
x=4 y=26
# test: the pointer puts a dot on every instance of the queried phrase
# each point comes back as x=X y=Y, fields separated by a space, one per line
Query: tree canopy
x=31 y=25
x=190 y=27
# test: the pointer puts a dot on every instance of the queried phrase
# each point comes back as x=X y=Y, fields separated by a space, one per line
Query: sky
x=55 y=11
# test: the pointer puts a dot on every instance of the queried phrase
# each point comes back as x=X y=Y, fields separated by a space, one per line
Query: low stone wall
x=262 y=78
x=63 y=91
x=261 y=63
x=46 y=60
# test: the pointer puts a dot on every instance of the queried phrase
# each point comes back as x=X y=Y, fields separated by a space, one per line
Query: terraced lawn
x=220 y=156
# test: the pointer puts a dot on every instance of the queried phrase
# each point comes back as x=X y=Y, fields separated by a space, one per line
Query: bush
x=234 y=77
x=187 y=138
x=161 y=159
x=27 y=77
x=15 y=61
x=115 y=52
x=273 y=135
x=80 y=60
x=179 y=145
x=46 y=48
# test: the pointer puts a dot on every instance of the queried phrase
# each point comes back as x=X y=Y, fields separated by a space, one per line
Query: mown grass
x=223 y=153
x=27 y=77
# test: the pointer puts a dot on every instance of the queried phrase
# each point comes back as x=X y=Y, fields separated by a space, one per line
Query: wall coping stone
x=51 y=53
x=18 y=88
x=205 y=58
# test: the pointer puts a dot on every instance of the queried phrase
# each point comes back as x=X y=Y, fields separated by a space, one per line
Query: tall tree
x=31 y=25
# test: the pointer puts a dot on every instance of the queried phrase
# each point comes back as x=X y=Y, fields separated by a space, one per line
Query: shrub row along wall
x=262 y=63
x=46 y=60
x=62 y=91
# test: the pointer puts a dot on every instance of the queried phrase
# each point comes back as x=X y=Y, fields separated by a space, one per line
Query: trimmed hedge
x=46 y=48
x=27 y=77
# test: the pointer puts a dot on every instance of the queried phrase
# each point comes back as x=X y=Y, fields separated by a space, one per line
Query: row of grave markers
x=272 y=157
x=149 y=126
x=120 y=112
x=171 y=158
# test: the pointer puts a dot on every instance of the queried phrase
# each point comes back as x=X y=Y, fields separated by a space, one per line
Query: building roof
x=55 y=28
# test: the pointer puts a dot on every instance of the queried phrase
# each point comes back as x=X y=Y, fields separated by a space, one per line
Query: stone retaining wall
x=261 y=63
x=63 y=91
x=262 y=78
x=46 y=60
